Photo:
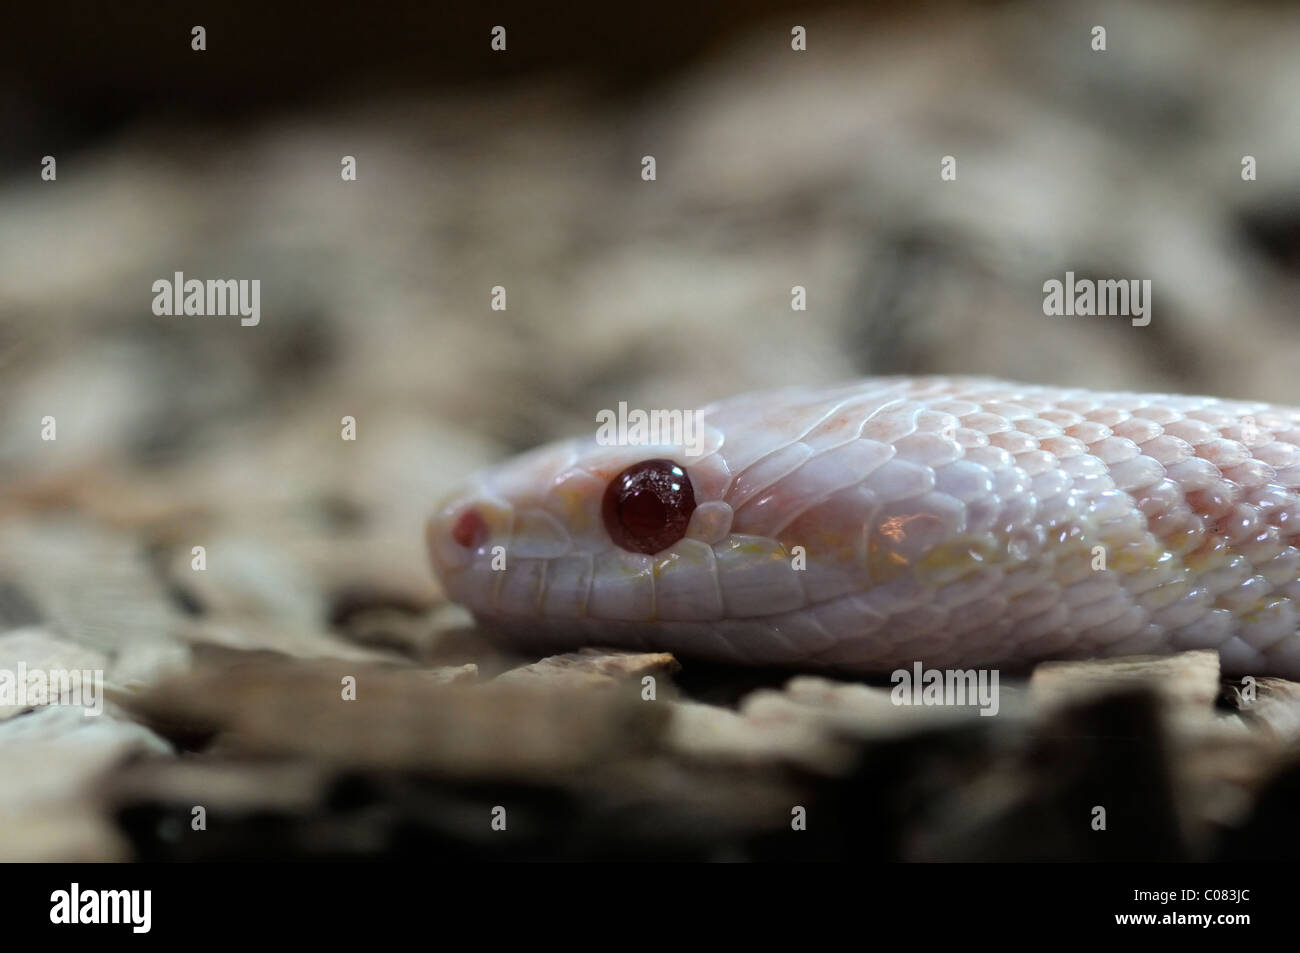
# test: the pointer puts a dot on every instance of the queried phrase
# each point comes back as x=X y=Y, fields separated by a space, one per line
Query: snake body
x=954 y=521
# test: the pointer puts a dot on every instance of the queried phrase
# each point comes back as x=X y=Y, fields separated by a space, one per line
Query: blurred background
x=522 y=169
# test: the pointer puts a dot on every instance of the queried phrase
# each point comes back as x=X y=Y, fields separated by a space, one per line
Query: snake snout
x=464 y=528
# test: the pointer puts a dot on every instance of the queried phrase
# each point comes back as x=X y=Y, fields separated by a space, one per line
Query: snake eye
x=648 y=506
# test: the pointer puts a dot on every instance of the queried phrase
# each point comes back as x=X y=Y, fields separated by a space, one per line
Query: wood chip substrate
x=397 y=731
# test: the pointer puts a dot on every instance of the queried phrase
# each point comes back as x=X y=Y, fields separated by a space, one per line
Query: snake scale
x=864 y=527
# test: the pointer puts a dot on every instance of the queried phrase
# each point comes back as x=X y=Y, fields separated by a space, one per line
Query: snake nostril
x=470 y=529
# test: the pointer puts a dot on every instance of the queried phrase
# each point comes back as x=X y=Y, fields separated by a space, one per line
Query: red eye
x=647 y=506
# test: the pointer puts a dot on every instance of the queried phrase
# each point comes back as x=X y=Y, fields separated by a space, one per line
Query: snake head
x=576 y=528
x=586 y=540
